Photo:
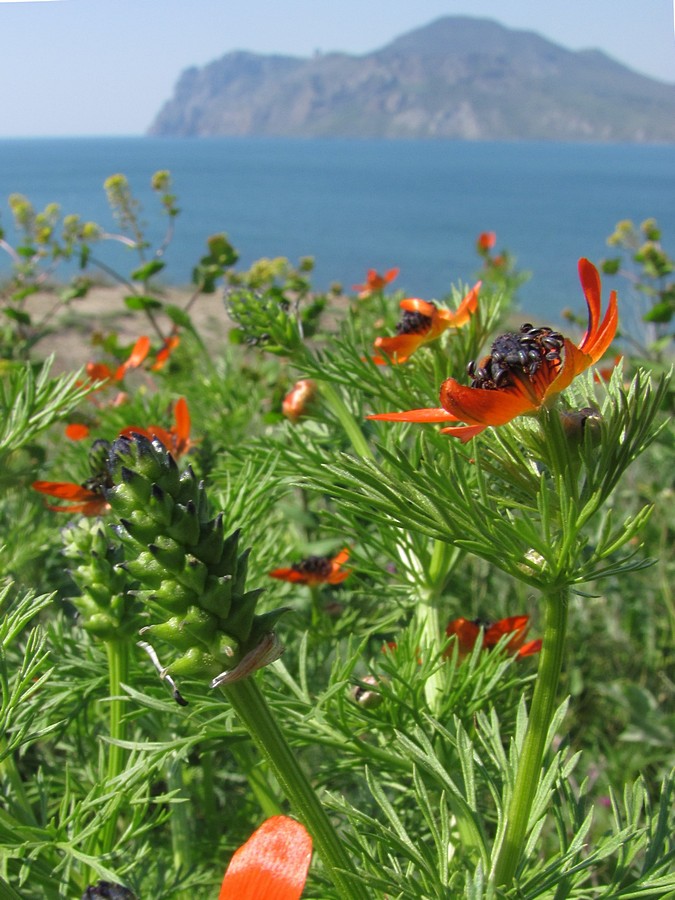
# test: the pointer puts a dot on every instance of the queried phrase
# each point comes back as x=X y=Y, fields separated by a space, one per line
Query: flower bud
x=185 y=565
x=368 y=697
x=106 y=607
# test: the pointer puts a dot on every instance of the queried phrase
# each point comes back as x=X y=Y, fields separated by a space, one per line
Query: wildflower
x=271 y=865
x=486 y=241
x=169 y=344
x=467 y=633
x=315 y=570
x=90 y=501
x=523 y=372
x=102 y=372
x=296 y=400
x=176 y=439
x=374 y=283
x=421 y=323
x=89 y=498
x=77 y=431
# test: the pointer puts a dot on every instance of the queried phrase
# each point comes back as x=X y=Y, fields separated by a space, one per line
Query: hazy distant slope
x=458 y=77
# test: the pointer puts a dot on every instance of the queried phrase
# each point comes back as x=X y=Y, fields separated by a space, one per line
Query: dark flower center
x=516 y=355
x=413 y=323
x=101 y=478
x=314 y=565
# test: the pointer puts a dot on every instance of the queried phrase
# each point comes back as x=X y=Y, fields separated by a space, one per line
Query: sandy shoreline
x=103 y=310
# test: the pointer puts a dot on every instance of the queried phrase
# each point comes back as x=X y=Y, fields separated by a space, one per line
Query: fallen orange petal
x=271 y=865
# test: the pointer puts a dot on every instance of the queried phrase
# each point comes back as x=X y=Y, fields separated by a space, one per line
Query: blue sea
x=357 y=204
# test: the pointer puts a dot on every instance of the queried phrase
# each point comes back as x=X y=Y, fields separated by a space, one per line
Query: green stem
x=256 y=716
x=352 y=429
x=257 y=779
x=541 y=713
x=118 y=672
x=443 y=558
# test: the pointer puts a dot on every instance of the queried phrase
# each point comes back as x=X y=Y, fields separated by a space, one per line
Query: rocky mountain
x=456 y=78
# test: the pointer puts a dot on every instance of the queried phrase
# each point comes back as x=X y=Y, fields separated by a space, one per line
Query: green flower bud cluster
x=185 y=565
x=105 y=606
x=266 y=320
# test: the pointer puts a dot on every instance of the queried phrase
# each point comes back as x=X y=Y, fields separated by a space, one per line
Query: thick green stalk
x=256 y=716
x=443 y=558
x=118 y=672
x=541 y=713
x=352 y=429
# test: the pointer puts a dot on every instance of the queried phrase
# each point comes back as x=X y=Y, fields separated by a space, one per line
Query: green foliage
x=411 y=740
x=648 y=268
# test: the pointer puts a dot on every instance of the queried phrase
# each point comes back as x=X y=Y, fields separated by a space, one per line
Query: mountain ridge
x=458 y=77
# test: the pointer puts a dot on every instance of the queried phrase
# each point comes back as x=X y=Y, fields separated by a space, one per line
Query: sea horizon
x=359 y=203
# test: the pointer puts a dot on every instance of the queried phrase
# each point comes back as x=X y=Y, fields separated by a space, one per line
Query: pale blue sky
x=104 y=67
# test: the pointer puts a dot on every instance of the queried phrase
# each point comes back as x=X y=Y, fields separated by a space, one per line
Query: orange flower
x=467 y=633
x=77 y=431
x=523 y=372
x=296 y=400
x=486 y=241
x=176 y=439
x=169 y=344
x=89 y=497
x=271 y=865
x=315 y=570
x=374 y=283
x=102 y=372
x=421 y=323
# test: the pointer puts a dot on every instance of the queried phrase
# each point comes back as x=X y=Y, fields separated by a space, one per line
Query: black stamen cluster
x=516 y=354
x=314 y=565
x=413 y=323
x=101 y=478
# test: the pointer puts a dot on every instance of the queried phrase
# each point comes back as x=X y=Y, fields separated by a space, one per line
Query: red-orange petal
x=465 y=631
x=341 y=557
x=271 y=865
x=591 y=286
x=516 y=625
x=96 y=507
x=464 y=311
x=464 y=432
x=182 y=427
x=481 y=407
x=428 y=415
x=402 y=346
x=599 y=335
x=64 y=490
x=98 y=371
x=138 y=353
x=76 y=431
x=530 y=648
x=165 y=352
x=338 y=576
x=291 y=575
x=414 y=304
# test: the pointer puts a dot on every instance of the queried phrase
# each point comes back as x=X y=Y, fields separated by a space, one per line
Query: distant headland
x=457 y=78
